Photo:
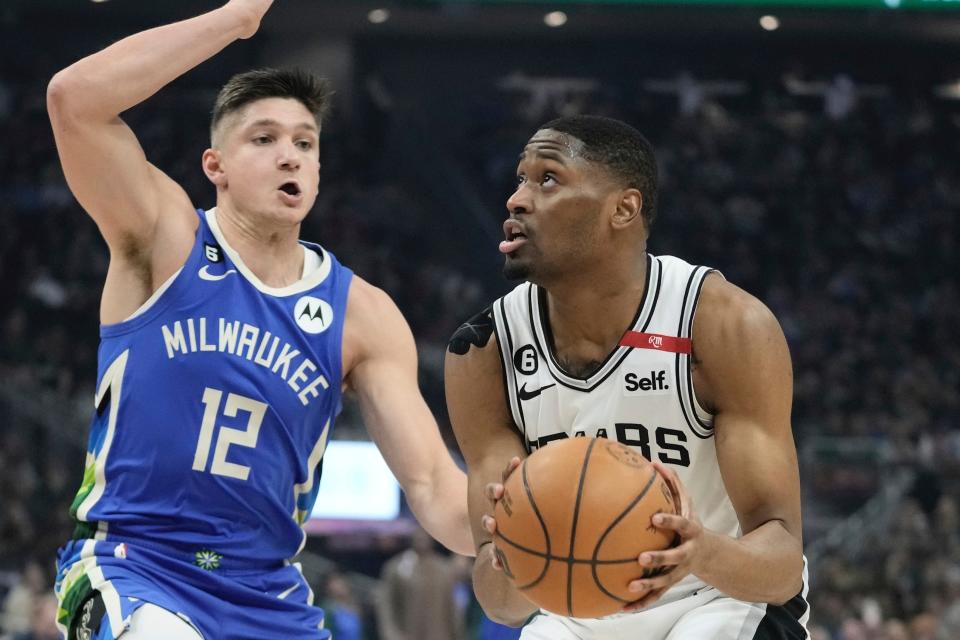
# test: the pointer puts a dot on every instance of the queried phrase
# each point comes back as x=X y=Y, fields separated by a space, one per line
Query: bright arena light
x=378 y=16
x=770 y=23
x=555 y=19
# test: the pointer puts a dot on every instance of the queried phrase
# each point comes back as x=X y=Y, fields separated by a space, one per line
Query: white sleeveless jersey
x=641 y=396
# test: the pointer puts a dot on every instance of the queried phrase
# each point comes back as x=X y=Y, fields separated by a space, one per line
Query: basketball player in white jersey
x=205 y=448
x=605 y=340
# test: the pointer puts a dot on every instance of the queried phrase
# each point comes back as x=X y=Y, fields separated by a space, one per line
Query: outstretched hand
x=494 y=492
x=670 y=566
x=252 y=12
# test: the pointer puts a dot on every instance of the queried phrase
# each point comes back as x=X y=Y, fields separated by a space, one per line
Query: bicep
x=384 y=380
x=108 y=172
x=481 y=422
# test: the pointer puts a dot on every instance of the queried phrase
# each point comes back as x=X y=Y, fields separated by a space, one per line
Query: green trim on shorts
x=74 y=596
x=86 y=487
x=85 y=530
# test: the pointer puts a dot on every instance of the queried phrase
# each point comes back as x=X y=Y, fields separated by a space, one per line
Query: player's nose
x=520 y=201
x=287 y=157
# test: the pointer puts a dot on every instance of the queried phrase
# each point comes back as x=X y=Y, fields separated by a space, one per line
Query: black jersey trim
x=509 y=379
x=540 y=324
x=783 y=622
x=691 y=392
x=694 y=425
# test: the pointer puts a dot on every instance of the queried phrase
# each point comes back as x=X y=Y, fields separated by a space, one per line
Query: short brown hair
x=242 y=89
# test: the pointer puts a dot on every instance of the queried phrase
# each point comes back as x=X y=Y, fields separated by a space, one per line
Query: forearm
x=766 y=565
x=103 y=85
x=440 y=505
x=497 y=596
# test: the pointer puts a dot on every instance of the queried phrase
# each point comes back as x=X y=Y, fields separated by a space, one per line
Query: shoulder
x=365 y=301
x=738 y=347
x=374 y=327
x=727 y=313
x=473 y=347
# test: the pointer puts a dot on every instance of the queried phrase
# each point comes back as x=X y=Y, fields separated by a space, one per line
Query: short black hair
x=242 y=89
x=619 y=147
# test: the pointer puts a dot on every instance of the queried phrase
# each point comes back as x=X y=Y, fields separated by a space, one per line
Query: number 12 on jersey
x=227 y=436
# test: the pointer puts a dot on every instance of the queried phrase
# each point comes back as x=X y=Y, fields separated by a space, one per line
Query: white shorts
x=150 y=622
x=706 y=614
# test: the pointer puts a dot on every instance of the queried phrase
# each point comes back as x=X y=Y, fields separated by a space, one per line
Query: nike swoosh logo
x=523 y=394
x=206 y=275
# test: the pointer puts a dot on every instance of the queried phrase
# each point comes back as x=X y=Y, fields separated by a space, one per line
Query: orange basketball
x=574 y=518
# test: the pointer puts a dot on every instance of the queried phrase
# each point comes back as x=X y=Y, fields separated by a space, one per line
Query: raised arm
x=144 y=216
x=381 y=367
x=488 y=440
x=745 y=377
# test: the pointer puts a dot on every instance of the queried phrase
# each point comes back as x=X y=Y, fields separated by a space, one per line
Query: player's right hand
x=252 y=12
x=494 y=492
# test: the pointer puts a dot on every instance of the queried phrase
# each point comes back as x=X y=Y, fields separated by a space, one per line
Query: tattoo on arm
x=475 y=331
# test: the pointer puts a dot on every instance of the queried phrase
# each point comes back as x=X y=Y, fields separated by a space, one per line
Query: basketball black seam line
x=543 y=527
x=573 y=528
x=542 y=555
x=596 y=550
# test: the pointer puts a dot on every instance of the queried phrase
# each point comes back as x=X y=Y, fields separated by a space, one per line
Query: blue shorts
x=220 y=598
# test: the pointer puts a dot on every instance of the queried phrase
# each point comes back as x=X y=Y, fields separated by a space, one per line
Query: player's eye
x=521 y=179
x=548 y=177
x=263 y=139
x=304 y=145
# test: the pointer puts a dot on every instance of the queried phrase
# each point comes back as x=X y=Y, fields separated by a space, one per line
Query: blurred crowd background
x=820 y=172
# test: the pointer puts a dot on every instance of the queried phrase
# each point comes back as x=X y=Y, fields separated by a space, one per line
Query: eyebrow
x=548 y=154
x=270 y=122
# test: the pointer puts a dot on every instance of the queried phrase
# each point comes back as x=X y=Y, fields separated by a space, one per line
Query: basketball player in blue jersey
x=606 y=340
x=225 y=345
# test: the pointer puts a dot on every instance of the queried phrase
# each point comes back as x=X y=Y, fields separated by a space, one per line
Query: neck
x=271 y=251
x=588 y=315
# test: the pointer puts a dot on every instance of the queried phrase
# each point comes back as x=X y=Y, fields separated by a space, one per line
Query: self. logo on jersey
x=637 y=383
x=313 y=315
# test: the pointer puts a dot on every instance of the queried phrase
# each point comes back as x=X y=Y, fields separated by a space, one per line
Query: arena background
x=809 y=150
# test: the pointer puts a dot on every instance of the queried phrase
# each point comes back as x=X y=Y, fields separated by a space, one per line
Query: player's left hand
x=672 y=565
x=494 y=493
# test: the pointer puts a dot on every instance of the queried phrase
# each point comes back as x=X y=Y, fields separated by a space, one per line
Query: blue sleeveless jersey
x=214 y=405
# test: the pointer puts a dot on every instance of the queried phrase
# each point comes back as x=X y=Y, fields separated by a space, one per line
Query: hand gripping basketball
x=671 y=565
x=494 y=492
x=571 y=521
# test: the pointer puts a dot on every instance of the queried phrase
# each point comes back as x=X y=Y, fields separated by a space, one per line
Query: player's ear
x=629 y=205
x=213 y=167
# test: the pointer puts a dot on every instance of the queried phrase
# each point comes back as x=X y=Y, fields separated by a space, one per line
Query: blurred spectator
x=343 y=615
x=18 y=606
x=417 y=598
x=43 y=620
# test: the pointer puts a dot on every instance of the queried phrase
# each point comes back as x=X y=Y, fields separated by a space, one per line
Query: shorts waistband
x=204 y=557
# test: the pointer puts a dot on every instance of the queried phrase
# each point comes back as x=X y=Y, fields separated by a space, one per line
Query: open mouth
x=290 y=188
x=515 y=237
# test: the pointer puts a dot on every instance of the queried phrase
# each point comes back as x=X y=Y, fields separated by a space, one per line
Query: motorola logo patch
x=313 y=315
